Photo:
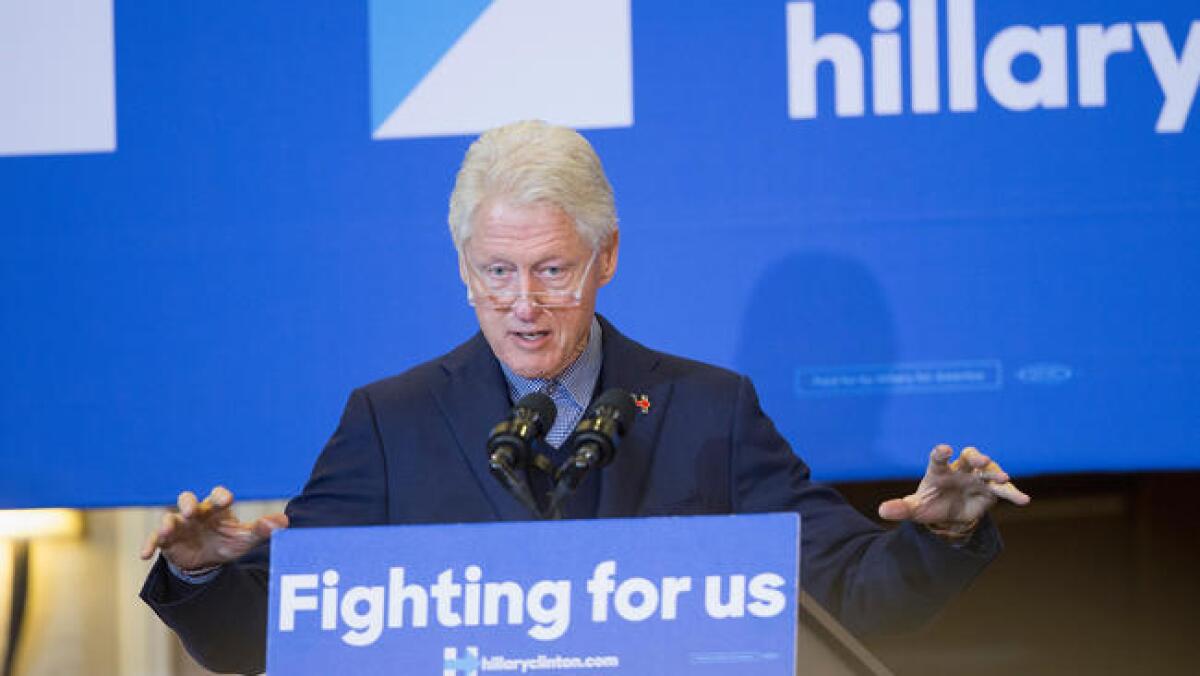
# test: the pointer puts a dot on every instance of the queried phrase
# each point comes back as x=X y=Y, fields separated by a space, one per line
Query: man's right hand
x=203 y=534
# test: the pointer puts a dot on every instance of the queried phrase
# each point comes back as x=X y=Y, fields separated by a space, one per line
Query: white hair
x=533 y=161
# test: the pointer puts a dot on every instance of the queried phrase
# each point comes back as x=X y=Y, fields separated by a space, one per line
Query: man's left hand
x=953 y=496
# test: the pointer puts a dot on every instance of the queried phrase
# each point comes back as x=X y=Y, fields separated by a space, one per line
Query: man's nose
x=523 y=307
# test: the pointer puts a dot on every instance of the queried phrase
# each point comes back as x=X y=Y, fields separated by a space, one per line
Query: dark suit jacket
x=409 y=449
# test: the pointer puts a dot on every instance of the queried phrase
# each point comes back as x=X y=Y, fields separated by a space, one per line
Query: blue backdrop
x=195 y=306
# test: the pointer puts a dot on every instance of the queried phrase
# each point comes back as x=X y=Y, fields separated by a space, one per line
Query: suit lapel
x=633 y=368
x=474 y=398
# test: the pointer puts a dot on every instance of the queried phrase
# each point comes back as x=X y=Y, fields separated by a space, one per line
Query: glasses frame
x=568 y=297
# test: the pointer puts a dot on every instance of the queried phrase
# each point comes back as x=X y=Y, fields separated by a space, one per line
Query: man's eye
x=553 y=271
x=496 y=271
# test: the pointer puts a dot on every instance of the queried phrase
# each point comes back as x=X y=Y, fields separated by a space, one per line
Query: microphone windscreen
x=541 y=408
x=621 y=402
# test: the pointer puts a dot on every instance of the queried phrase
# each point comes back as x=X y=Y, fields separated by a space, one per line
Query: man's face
x=533 y=243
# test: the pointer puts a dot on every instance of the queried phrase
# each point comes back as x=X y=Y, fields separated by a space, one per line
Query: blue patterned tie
x=568 y=413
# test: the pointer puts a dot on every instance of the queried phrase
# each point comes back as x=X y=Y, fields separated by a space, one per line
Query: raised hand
x=953 y=496
x=204 y=534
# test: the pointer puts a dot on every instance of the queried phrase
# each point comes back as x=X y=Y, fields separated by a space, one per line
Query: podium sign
x=704 y=595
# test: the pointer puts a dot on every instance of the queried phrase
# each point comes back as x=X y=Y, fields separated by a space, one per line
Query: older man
x=533 y=220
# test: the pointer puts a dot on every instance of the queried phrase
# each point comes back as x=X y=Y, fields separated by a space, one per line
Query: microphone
x=508 y=445
x=509 y=442
x=593 y=443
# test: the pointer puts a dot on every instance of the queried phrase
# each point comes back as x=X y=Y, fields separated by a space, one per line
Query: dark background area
x=1100 y=575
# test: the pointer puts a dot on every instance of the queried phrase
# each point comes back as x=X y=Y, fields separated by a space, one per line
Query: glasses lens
x=499 y=286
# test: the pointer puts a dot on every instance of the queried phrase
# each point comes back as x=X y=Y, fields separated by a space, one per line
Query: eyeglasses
x=499 y=285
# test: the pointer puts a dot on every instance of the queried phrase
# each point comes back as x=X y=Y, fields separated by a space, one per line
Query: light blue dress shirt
x=571 y=390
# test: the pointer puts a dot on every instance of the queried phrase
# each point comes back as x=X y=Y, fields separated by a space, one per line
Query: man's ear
x=462 y=267
x=608 y=258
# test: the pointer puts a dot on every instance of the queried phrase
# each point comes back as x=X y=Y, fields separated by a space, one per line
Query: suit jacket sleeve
x=872 y=579
x=223 y=622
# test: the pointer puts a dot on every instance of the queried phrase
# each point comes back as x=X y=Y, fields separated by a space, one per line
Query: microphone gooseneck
x=509 y=445
x=593 y=443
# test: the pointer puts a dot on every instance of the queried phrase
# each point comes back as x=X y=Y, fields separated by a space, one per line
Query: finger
x=187 y=503
x=149 y=547
x=235 y=530
x=221 y=497
x=1007 y=491
x=972 y=459
x=939 y=459
x=993 y=476
x=217 y=499
x=264 y=526
x=166 y=525
x=983 y=466
x=161 y=535
x=899 y=509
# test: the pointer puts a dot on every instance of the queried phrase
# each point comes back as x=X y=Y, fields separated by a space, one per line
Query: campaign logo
x=1089 y=47
x=57 y=90
x=448 y=68
x=465 y=664
x=1045 y=373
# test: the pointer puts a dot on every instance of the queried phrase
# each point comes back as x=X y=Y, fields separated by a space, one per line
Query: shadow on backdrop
x=819 y=309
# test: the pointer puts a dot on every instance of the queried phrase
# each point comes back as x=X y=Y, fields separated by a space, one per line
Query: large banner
x=962 y=221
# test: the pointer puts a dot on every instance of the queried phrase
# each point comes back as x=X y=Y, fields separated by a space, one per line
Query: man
x=533 y=220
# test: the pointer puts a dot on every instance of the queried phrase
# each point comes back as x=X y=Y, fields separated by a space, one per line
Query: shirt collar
x=579 y=378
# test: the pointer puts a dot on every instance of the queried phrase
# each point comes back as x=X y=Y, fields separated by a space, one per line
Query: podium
x=711 y=595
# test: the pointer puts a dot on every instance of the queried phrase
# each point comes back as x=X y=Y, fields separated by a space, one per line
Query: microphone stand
x=508 y=446
x=569 y=475
x=515 y=484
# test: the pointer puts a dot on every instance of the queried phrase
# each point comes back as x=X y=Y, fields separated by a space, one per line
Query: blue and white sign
x=704 y=595
x=56 y=77
x=440 y=68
